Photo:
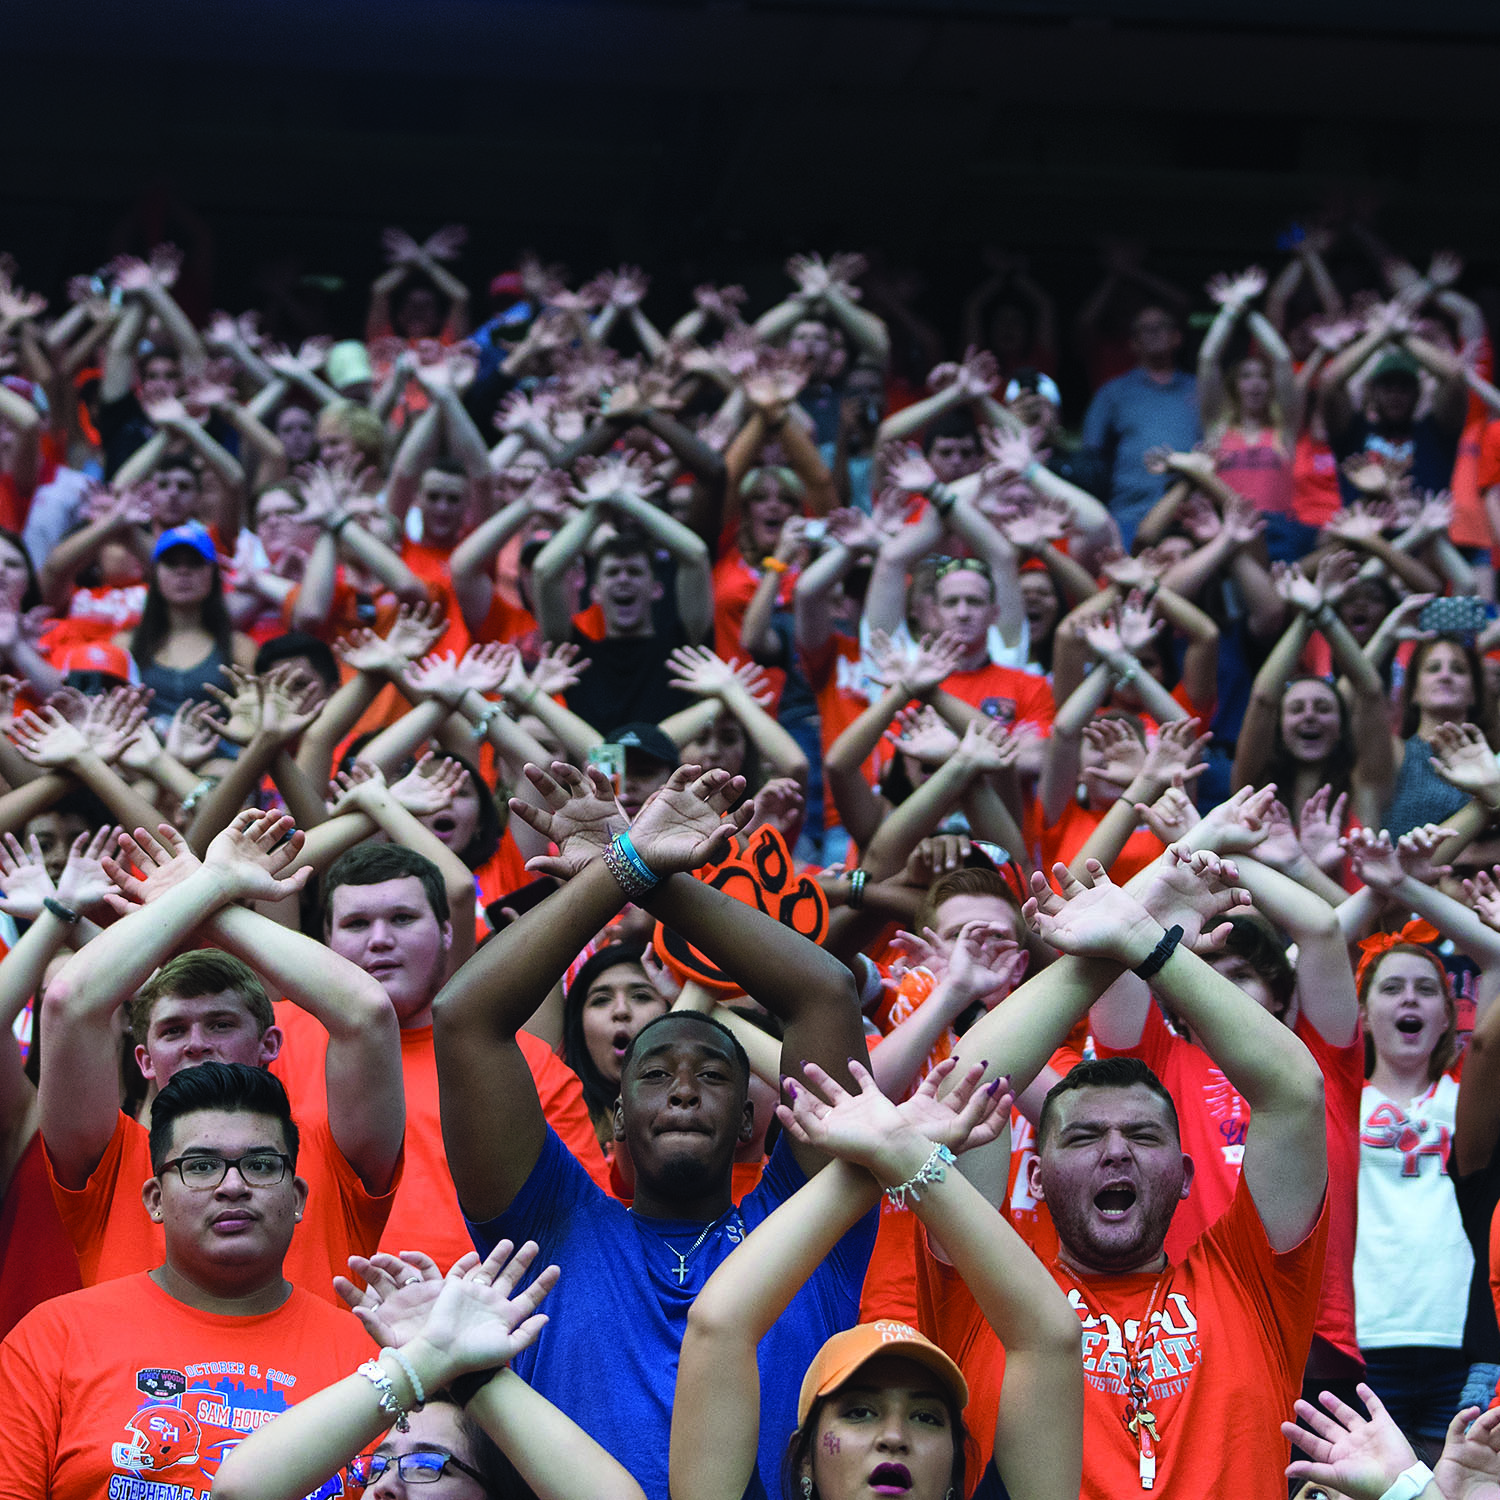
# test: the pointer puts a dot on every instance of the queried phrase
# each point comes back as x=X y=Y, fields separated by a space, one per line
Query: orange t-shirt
x=1213 y=1117
x=890 y=1288
x=113 y=1235
x=1229 y=1335
x=505 y=621
x=430 y=564
x=425 y=1214
x=121 y=1390
x=1005 y=693
x=1470 y=525
x=1061 y=842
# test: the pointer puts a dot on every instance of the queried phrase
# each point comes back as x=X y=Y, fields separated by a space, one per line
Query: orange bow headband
x=1416 y=933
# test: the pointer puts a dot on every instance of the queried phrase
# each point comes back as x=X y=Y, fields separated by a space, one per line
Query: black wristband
x=339 y=525
x=464 y=1388
x=943 y=501
x=857 y=879
x=61 y=912
x=1161 y=952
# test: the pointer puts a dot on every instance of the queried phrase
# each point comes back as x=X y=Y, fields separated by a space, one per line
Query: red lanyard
x=1138 y=1417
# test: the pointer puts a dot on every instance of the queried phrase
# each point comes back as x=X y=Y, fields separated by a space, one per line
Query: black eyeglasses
x=425 y=1466
x=256 y=1168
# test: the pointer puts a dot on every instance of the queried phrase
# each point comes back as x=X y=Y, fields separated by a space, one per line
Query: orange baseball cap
x=93 y=656
x=845 y=1352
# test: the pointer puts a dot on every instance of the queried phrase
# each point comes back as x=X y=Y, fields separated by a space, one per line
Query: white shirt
x=1412 y=1260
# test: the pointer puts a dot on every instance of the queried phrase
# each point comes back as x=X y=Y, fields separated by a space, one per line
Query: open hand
x=1359 y=1456
x=689 y=822
x=254 y=851
x=582 y=816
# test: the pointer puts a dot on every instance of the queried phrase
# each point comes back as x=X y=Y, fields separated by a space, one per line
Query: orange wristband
x=775 y=564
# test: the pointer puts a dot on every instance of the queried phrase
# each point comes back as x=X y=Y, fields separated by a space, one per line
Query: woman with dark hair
x=185 y=637
x=466 y=1426
x=611 y=998
x=881 y=1408
x=1444 y=684
x=1305 y=732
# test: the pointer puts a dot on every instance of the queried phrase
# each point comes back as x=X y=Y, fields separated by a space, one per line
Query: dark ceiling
x=273 y=138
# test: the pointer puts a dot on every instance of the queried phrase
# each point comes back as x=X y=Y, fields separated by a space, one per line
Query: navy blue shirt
x=608 y=1355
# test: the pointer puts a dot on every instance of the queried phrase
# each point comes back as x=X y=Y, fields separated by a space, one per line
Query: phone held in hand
x=1459 y=614
x=611 y=760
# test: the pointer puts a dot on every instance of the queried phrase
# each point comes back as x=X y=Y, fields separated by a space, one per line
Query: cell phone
x=519 y=901
x=815 y=530
x=1460 y=614
x=611 y=760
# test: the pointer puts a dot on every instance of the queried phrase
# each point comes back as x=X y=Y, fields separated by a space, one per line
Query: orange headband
x=1372 y=949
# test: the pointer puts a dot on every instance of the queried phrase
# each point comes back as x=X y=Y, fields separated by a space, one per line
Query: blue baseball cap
x=191 y=535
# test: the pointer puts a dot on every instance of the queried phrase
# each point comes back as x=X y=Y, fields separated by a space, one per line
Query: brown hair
x=978 y=881
x=1481 y=712
x=189 y=976
x=1446 y=1048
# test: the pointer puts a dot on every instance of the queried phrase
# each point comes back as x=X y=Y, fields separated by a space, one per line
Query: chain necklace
x=680 y=1271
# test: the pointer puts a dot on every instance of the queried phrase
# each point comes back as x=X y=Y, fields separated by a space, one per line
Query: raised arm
x=80 y=1069
x=1285 y=1164
x=366 y=1099
x=695 y=596
x=551 y=566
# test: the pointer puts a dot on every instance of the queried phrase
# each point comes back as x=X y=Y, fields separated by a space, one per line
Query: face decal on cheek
x=831 y=1444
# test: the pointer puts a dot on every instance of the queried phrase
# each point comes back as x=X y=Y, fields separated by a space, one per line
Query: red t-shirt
x=1213 y=1118
x=36 y=1255
x=1315 y=482
x=1061 y=842
x=1233 y=1322
x=1005 y=693
x=735 y=583
x=114 y=1236
x=121 y=1390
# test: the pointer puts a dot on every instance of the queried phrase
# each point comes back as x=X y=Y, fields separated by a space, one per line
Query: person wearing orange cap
x=880 y=1410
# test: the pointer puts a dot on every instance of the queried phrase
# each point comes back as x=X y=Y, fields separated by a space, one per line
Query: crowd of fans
x=769 y=931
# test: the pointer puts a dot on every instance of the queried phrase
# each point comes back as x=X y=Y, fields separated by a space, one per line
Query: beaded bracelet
x=417 y=1389
x=934 y=1169
x=634 y=875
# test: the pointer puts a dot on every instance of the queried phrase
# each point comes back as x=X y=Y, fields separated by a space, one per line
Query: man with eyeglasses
x=139 y=1386
x=207 y=1006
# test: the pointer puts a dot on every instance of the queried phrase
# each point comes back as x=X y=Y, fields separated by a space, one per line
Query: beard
x=1088 y=1242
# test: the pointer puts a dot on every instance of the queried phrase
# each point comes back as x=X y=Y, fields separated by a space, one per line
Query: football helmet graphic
x=160 y=1438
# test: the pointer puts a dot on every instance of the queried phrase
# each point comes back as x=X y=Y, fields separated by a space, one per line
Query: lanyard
x=1139 y=1419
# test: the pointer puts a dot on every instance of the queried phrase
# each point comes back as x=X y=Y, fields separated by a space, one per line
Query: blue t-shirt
x=608 y=1355
x=1128 y=416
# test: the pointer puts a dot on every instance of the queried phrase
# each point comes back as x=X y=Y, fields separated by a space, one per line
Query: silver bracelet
x=934 y=1169
x=413 y=1378
x=636 y=878
x=482 y=724
x=197 y=794
x=375 y=1373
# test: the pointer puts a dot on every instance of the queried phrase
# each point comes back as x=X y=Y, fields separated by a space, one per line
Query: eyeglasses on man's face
x=203 y=1170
